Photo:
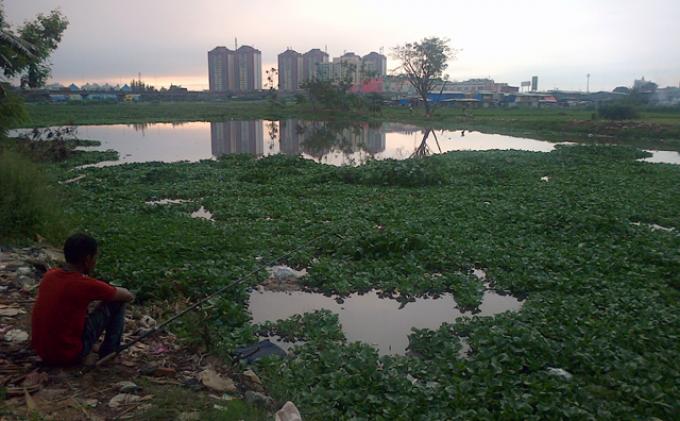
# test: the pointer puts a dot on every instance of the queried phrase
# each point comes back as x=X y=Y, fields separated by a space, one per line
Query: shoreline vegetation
x=653 y=129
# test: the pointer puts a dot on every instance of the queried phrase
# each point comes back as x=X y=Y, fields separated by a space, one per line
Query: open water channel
x=321 y=141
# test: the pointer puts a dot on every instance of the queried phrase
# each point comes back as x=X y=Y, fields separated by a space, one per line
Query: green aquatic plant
x=556 y=228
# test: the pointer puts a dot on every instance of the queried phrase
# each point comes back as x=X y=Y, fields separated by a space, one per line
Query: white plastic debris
x=147 y=322
x=560 y=372
x=284 y=273
x=545 y=178
x=123 y=399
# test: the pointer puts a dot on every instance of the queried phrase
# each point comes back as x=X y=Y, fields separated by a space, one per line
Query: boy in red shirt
x=62 y=332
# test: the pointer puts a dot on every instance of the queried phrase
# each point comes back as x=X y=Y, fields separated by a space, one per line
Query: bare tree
x=423 y=63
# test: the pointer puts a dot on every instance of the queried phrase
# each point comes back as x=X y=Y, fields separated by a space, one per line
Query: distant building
x=374 y=65
x=222 y=70
x=312 y=62
x=644 y=86
x=347 y=67
x=290 y=71
x=534 y=83
x=73 y=87
x=234 y=71
x=666 y=96
x=473 y=87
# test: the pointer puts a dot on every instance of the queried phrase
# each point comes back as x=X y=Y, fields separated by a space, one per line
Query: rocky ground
x=155 y=379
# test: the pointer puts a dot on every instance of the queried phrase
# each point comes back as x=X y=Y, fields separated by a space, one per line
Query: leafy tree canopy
x=423 y=63
x=24 y=52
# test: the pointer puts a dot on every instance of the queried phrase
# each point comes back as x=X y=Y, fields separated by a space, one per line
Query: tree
x=423 y=63
x=272 y=86
x=25 y=53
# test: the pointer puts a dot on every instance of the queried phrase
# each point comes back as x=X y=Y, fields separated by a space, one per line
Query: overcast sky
x=558 y=40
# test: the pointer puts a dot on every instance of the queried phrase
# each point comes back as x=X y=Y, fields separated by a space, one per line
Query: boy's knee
x=116 y=307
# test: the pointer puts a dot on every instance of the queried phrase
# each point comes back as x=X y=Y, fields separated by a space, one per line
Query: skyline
x=560 y=41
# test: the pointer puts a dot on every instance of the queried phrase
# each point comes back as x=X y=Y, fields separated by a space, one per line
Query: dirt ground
x=154 y=379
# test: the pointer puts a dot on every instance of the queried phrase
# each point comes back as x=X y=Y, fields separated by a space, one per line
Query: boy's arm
x=122 y=294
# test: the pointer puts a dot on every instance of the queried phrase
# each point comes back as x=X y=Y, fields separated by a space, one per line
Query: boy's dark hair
x=79 y=246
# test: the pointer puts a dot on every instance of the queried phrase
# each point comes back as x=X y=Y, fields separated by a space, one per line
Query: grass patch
x=30 y=204
x=171 y=401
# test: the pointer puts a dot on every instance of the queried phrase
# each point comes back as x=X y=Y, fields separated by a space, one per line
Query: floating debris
x=202 y=213
x=167 y=202
x=560 y=373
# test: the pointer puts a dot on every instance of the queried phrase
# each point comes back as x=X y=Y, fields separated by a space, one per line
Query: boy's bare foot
x=91 y=359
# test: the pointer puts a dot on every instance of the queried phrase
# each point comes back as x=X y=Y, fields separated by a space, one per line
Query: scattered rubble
x=214 y=381
x=259 y=399
x=34 y=390
x=288 y=412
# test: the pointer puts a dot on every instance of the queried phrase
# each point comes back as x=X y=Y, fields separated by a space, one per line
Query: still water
x=380 y=322
x=321 y=141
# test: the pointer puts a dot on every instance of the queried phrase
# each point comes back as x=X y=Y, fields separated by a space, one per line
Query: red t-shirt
x=59 y=313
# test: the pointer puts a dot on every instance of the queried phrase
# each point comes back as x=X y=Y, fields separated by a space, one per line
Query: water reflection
x=327 y=142
x=237 y=137
x=381 y=322
x=314 y=139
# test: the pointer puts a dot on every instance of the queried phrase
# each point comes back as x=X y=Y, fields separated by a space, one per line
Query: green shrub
x=618 y=112
x=29 y=205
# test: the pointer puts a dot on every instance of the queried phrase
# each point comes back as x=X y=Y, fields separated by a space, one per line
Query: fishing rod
x=208 y=298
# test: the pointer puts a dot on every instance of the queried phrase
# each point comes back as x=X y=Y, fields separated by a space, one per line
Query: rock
x=212 y=380
x=560 y=373
x=26 y=282
x=10 y=311
x=288 y=412
x=16 y=335
x=189 y=416
x=252 y=381
x=123 y=399
x=34 y=378
x=51 y=394
x=90 y=403
x=127 y=387
x=259 y=399
x=24 y=270
x=164 y=372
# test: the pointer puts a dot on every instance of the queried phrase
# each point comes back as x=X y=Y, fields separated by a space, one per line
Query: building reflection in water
x=237 y=137
x=317 y=139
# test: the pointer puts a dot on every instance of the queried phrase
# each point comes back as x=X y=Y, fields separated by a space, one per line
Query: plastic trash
x=262 y=349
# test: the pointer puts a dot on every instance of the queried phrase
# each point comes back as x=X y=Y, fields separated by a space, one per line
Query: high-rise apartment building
x=234 y=71
x=290 y=71
x=347 y=67
x=374 y=65
x=221 y=70
x=312 y=63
